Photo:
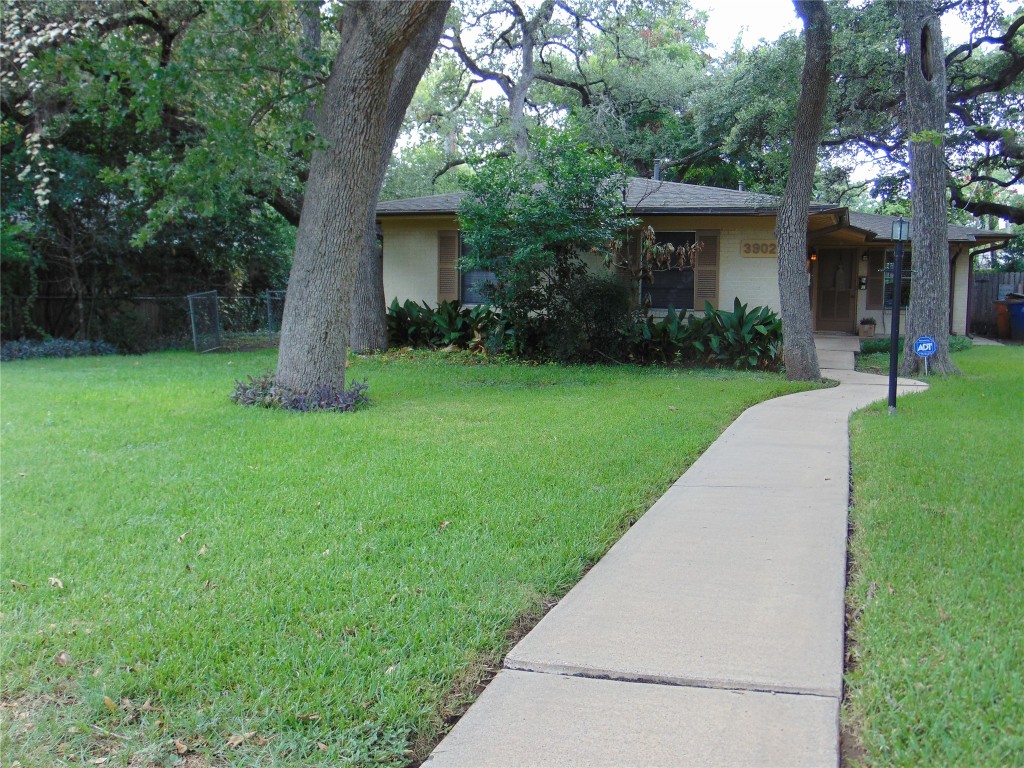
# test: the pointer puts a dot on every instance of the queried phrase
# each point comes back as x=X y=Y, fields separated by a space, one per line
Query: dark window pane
x=890 y=265
x=472 y=282
x=471 y=285
x=672 y=287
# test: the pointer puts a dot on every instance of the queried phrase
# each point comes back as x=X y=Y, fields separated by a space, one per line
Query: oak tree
x=928 y=314
x=344 y=178
x=791 y=227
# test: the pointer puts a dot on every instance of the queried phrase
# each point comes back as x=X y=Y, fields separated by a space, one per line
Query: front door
x=837 y=291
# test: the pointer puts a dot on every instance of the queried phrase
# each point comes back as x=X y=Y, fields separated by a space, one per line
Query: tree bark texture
x=929 y=233
x=369 y=308
x=799 y=353
x=339 y=195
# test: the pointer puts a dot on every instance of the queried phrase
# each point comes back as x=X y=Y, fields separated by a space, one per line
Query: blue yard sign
x=925 y=346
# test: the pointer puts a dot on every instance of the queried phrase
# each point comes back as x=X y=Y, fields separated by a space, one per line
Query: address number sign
x=759 y=248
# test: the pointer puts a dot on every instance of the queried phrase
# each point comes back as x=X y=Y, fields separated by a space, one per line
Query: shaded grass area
x=252 y=587
x=937 y=592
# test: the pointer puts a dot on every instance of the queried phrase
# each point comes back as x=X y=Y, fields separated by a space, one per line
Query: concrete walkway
x=836 y=351
x=712 y=633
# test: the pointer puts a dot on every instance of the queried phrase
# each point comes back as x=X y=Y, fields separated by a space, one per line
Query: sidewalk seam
x=671 y=684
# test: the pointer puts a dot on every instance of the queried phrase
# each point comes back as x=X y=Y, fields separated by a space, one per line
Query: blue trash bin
x=1016 y=309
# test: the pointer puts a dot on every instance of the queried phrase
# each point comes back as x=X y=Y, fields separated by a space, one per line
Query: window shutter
x=706 y=273
x=448 y=265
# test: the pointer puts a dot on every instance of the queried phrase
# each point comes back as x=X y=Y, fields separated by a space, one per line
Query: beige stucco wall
x=410 y=256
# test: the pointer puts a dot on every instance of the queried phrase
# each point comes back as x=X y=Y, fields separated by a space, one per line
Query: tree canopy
x=165 y=144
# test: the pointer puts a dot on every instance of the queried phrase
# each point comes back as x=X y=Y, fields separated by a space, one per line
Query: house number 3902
x=755 y=248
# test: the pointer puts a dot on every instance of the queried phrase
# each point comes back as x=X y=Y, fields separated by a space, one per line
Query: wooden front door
x=837 y=291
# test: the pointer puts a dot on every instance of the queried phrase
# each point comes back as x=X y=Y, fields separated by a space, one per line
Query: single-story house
x=847 y=254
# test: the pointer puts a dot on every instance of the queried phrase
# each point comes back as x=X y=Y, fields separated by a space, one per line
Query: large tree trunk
x=929 y=234
x=339 y=195
x=800 y=356
x=369 y=308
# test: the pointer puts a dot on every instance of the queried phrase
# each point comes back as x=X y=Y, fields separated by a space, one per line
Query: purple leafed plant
x=263 y=392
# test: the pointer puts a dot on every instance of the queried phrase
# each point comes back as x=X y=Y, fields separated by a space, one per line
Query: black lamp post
x=900 y=234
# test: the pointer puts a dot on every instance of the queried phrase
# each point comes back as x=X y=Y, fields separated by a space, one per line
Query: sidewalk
x=711 y=634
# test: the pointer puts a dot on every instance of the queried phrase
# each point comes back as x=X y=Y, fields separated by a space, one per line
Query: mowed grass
x=247 y=587
x=938 y=581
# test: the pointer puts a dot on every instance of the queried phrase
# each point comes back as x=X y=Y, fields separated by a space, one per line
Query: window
x=471 y=282
x=880 y=282
x=890 y=266
x=671 y=287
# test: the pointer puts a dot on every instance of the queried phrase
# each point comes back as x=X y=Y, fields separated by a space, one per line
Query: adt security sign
x=925 y=346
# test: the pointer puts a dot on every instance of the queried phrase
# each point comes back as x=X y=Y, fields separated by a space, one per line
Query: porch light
x=900 y=234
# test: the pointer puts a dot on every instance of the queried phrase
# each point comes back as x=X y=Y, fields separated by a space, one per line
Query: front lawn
x=186 y=580
x=937 y=593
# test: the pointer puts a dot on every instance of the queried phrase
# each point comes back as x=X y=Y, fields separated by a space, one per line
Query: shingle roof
x=649 y=197
x=643 y=196
x=880 y=228
x=448 y=203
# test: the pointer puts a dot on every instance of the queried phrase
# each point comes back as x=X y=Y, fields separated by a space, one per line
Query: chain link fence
x=202 y=321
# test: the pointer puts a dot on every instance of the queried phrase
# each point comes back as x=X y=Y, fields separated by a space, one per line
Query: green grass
x=938 y=581
x=331 y=585
x=875 y=357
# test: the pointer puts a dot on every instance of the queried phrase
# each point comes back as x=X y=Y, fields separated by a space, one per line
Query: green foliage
x=128 y=161
x=741 y=338
x=591 y=327
x=447 y=324
x=532 y=224
x=668 y=340
x=927 y=137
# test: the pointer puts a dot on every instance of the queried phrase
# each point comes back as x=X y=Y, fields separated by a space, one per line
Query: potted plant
x=867 y=327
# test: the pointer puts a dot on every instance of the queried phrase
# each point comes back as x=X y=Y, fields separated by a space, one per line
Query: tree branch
x=1012 y=213
x=968 y=48
x=580 y=88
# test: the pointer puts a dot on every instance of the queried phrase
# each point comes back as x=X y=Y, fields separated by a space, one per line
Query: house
x=847 y=254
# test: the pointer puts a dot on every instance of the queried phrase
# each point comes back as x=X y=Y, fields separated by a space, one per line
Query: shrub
x=25 y=349
x=741 y=338
x=669 y=340
x=532 y=224
x=448 y=324
x=262 y=392
x=586 y=320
